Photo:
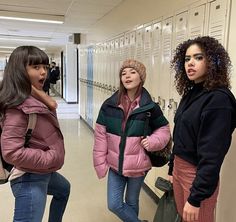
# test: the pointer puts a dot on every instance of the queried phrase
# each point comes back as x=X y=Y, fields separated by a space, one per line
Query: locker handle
x=161 y=103
x=170 y=103
x=218 y=7
x=159 y=100
x=175 y=106
x=164 y=104
x=196 y=14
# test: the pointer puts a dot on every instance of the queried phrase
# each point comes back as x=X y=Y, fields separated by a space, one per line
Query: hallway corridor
x=87 y=201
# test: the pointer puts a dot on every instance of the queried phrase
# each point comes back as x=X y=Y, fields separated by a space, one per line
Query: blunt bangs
x=37 y=56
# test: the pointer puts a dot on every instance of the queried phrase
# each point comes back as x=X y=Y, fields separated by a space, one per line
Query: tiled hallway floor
x=87 y=202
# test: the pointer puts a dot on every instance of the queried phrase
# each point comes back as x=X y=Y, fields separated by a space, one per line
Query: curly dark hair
x=218 y=64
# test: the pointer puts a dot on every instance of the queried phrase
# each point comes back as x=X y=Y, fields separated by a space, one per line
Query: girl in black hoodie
x=204 y=122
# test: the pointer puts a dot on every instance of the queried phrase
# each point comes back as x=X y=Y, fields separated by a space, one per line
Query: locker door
x=132 y=44
x=108 y=64
x=95 y=77
x=179 y=35
x=83 y=93
x=99 y=63
x=101 y=72
x=196 y=21
x=156 y=58
x=117 y=64
x=97 y=83
x=101 y=76
x=150 y=85
x=89 y=87
x=180 y=28
x=95 y=64
x=218 y=20
x=165 y=71
x=85 y=82
x=122 y=53
x=165 y=54
x=139 y=44
x=107 y=70
x=127 y=45
x=147 y=60
x=165 y=87
x=112 y=70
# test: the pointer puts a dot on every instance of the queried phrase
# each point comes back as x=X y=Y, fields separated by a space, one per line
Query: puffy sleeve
x=159 y=138
x=100 y=148
x=160 y=129
x=214 y=139
x=30 y=159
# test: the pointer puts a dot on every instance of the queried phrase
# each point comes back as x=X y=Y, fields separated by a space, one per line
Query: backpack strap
x=146 y=124
x=31 y=125
x=5 y=167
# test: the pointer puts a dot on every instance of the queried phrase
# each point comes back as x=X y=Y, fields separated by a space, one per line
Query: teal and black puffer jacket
x=121 y=149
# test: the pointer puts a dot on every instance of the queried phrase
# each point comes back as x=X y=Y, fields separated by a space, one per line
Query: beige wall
x=132 y=13
x=232 y=43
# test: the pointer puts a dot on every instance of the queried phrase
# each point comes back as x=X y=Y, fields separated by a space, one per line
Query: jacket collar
x=144 y=100
x=32 y=105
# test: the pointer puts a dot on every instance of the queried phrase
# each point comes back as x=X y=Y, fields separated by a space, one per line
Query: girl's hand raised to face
x=44 y=98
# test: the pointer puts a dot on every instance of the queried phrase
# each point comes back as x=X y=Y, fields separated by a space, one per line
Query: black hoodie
x=204 y=123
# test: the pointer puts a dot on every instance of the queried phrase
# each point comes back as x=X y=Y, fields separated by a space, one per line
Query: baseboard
x=91 y=128
x=71 y=102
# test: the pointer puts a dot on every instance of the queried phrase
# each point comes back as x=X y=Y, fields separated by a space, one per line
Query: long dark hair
x=217 y=59
x=16 y=86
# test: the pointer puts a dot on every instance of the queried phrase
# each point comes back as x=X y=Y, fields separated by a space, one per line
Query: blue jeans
x=126 y=210
x=30 y=192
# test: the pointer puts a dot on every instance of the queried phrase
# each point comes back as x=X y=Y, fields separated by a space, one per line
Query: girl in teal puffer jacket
x=120 y=146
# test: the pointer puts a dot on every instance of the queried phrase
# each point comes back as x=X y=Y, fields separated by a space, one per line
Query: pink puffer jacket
x=136 y=160
x=46 y=152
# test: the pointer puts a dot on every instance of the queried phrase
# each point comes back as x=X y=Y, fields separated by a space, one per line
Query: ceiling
x=79 y=17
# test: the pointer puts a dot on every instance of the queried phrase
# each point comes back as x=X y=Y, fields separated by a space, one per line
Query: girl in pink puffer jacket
x=34 y=167
x=120 y=146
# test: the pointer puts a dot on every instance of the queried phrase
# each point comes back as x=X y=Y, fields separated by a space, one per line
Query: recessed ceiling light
x=19 y=38
x=7 y=47
x=31 y=17
x=5 y=51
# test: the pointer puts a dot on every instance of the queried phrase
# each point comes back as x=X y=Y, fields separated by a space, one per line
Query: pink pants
x=183 y=176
